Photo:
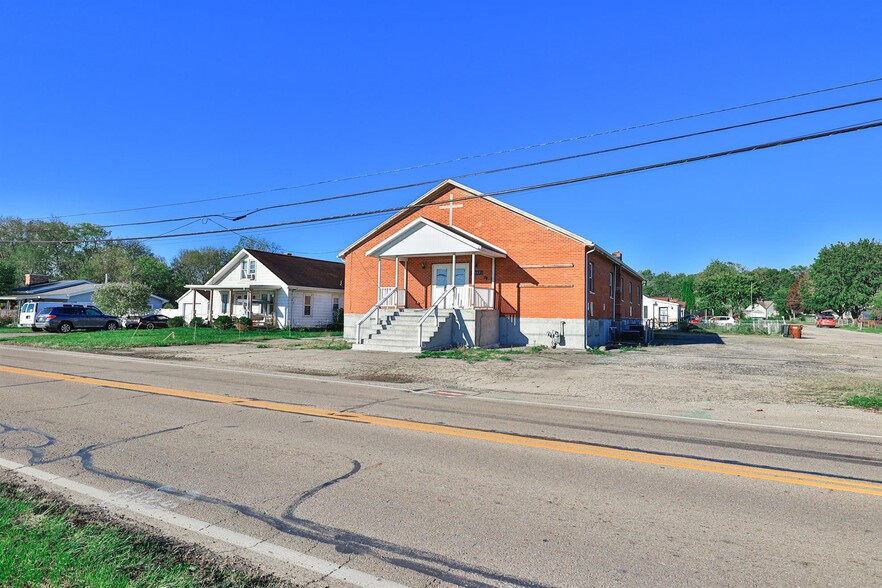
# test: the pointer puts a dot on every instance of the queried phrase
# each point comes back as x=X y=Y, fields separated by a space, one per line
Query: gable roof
x=432 y=238
x=302 y=271
x=448 y=185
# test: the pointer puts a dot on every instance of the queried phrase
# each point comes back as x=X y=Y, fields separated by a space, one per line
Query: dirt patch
x=683 y=369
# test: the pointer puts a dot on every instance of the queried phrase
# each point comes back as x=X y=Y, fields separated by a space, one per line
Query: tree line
x=844 y=277
x=85 y=255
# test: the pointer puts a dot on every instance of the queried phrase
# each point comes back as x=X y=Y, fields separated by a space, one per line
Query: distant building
x=663 y=311
x=761 y=309
x=39 y=289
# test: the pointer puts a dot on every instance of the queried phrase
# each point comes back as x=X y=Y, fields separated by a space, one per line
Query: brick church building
x=459 y=268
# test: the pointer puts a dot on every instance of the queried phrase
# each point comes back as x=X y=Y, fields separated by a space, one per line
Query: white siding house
x=762 y=309
x=274 y=289
x=663 y=312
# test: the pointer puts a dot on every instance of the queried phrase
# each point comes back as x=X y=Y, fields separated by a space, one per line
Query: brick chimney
x=34 y=279
x=618 y=254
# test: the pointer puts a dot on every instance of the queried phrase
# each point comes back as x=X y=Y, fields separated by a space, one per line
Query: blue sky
x=107 y=106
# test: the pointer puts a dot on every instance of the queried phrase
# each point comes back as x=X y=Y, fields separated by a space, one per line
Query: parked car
x=151 y=321
x=724 y=320
x=65 y=319
x=825 y=320
x=30 y=310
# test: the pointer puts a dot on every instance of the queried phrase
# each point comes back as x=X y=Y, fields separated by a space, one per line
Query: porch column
x=210 y=305
x=396 y=282
x=248 y=297
x=493 y=278
x=379 y=278
x=194 y=305
x=404 y=302
x=473 y=280
x=230 y=302
x=453 y=279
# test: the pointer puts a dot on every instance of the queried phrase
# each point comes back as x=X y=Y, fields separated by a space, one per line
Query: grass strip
x=46 y=542
x=476 y=354
x=127 y=339
x=870 y=397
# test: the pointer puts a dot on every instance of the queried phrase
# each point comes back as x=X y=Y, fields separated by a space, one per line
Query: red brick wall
x=527 y=292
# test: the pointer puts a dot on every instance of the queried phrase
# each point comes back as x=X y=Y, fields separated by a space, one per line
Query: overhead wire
x=488 y=153
x=510 y=191
x=512 y=167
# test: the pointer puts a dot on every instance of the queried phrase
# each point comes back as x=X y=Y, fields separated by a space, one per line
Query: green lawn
x=125 y=339
x=15 y=330
x=864 y=330
x=870 y=397
x=47 y=543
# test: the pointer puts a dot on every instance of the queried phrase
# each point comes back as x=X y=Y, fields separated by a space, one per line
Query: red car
x=825 y=320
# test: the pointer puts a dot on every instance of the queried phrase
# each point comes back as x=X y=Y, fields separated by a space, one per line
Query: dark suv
x=65 y=319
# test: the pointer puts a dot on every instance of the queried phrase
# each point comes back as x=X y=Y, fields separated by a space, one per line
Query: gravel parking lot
x=739 y=377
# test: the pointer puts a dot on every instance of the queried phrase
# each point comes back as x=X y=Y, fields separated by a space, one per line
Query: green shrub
x=245 y=321
x=223 y=322
x=176 y=321
x=197 y=321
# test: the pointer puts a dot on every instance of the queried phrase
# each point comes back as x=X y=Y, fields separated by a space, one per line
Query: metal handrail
x=374 y=308
x=433 y=308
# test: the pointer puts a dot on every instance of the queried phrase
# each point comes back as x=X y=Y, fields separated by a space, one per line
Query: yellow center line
x=688 y=463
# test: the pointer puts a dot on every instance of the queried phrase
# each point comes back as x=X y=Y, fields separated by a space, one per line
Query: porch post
x=404 y=303
x=473 y=281
x=493 y=278
x=249 y=303
x=230 y=302
x=379 y=277
x=210 y=305
x=396 y=281
x=194 y=305
x=453 y=278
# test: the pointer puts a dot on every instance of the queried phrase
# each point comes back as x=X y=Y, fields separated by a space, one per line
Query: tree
x=195 y=266
x=793 y=303
x=687 y=292
x=7 y=277
x=663 y=284
x=258 y=244
x=723 y=285
x=875 y=305
x=158 y=276
x=844 y=277
x=122 y=298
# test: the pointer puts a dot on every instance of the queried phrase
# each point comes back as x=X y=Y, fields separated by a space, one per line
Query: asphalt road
x=348 y=484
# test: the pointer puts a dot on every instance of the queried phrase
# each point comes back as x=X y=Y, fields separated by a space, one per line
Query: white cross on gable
x=450 y=207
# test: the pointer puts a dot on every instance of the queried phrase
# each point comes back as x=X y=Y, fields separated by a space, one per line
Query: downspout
x=587 y=294
x=615 y=288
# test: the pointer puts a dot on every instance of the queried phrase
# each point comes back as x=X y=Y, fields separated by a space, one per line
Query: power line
x=564 y=182
x=510 y=167
x=486 y=154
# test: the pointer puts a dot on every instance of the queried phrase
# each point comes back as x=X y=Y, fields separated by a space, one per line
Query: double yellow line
x=688 y=463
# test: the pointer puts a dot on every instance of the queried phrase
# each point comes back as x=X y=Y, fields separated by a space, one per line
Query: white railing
x=396 y=300
x=374 y=309
x=432 y=309
x=482 y=297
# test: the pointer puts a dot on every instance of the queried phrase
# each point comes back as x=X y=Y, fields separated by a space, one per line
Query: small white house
x=761 y=309
x=274 y=289
x=38 y=289
x=663 y=312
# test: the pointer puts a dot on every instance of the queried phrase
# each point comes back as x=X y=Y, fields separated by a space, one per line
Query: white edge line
x=246 y=542
x=671 y=416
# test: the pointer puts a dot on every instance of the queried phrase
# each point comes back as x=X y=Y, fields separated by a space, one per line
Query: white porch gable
x=424 y=238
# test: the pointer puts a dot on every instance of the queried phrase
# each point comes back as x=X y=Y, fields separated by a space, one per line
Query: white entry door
x=441 y=280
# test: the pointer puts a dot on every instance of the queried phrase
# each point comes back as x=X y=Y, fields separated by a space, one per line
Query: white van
x=29 y=311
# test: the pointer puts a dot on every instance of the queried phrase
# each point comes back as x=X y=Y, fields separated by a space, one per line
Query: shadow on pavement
x=681 y=338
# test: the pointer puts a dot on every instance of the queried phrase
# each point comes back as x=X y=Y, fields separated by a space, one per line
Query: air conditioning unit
x=252 y=276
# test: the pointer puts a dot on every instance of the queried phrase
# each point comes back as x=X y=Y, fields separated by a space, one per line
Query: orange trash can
x=796 y=331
